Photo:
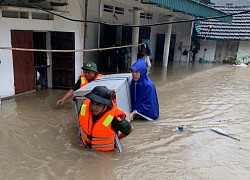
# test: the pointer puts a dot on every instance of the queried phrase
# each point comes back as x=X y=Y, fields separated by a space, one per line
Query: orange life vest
x=99 y=135
x=84 y=80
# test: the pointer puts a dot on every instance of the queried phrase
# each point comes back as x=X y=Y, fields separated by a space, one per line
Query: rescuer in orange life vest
x=90 y=73
x=101 y=120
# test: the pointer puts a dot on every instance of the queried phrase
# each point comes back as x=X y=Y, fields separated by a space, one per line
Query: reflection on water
x=38 y=139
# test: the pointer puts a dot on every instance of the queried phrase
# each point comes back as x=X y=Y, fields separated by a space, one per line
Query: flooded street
x=39 y=139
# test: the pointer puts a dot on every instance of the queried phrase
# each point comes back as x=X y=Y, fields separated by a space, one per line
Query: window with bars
x=146 y=15
x=25 y=15
x=108 y=8
x=15 y=14
x=119 y=10
x=113 y=9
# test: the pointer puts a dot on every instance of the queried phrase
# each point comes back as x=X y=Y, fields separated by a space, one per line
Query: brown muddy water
x=39 y=140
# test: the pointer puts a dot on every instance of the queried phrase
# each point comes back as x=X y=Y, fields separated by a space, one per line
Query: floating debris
x=224 y=133
x=209 y=126
x=180 y=128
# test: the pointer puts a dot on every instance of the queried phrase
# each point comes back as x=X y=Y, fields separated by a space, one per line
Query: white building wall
x=183 y=40
x=58 y=24
x=209 y=54
x=92 y=39
x=183 y=34
x=153 y=34
x=244 y=50
x=95 y=13
x=127 y=18
x=161 y=29
x=6 y=65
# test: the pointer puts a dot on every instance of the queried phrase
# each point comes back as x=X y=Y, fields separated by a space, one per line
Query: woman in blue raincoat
x=144 y=98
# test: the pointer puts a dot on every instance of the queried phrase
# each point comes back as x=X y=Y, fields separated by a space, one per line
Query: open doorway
x=39 y=41
x=63 y=63
x=27 y=64
x=108 y=39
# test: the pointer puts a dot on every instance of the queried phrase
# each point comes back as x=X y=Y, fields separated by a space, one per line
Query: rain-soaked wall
x=183 y=36
x=223 y=48
x=58 y=24
x=209 y=53
x=76 y=10
x=244 y=50
x=183 y=33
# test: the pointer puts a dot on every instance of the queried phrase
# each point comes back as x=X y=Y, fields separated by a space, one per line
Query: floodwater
x=39 y=140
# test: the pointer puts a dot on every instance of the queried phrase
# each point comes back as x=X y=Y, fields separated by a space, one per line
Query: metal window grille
x=119 y=10
x=108 y=8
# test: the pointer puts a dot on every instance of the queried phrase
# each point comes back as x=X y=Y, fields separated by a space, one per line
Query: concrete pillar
x=49 y=60
x=135 y=34
x=164 y=73
x=167 y=42
x=153 y=43
x=190 y=49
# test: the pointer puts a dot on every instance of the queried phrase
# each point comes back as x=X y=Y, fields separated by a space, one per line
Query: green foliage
x=241 y=59
x=238 y=59
x=228 y=59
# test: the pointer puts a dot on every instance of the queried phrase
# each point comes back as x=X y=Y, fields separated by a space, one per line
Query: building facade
x=221 y=40
x=60 y=29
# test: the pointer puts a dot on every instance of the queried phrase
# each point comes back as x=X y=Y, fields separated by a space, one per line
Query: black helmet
x=101 y=94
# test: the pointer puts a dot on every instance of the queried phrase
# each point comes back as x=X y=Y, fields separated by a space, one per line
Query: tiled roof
x=238 y=30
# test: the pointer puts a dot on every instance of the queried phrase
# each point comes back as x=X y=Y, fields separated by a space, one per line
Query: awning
x=191 y=7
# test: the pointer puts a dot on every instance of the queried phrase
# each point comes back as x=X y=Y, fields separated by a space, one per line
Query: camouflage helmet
x=90 y=66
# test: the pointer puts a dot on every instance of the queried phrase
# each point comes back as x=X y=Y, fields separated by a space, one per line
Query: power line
x=144 y=25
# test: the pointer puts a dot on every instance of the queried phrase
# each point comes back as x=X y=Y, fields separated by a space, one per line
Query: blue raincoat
x=144 y=98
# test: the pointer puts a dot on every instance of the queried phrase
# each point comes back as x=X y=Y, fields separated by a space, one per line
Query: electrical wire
x=144 y=25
